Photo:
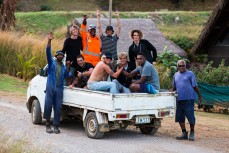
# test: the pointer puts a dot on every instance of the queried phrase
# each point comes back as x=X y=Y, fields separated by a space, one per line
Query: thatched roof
x=150 y=32
x=215 y=29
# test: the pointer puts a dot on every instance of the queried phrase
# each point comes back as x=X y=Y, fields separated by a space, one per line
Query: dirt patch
x=12 y=97
x=212 y=131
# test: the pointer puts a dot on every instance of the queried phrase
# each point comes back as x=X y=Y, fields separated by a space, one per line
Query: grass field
x=40 y=22
x=12 y=84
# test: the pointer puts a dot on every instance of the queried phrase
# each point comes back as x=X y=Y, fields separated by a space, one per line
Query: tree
x=7 y=10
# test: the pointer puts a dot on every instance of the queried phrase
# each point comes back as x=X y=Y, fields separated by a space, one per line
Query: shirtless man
x=97 y=80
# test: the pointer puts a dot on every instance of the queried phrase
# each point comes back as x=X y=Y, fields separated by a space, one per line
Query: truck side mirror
x=43 y=72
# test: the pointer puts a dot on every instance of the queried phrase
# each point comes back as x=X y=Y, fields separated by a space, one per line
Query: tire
x=148 y=130
x=36 y=112
x=92 y=126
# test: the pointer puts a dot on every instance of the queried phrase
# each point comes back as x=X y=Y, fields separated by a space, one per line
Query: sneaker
x=184 y=136
x=192 y=136
x=48 y=128
x=56 y=130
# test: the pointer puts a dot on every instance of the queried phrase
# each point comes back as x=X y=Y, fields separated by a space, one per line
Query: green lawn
x=12 y=84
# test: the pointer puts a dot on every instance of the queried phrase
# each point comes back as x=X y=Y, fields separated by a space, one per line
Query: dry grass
x=28 y=46
x=189 y=31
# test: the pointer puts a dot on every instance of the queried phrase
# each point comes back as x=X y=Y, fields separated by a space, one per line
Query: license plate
x=142 y=119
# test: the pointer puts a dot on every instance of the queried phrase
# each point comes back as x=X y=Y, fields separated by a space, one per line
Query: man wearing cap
x=109 y=42
x=54 y=87
x=97 y=80
x=91 y=42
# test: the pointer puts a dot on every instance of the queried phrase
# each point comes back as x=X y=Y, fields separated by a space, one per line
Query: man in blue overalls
x=54 y=87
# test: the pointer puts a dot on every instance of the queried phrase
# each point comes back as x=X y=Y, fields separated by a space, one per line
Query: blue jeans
x=120 y=87
x=103 y=86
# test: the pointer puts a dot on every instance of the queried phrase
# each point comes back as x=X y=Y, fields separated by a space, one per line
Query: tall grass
x=27 y=46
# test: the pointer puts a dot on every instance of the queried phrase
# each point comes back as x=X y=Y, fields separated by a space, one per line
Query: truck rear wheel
x=36 y=112
x=148 y=130
x=92 y=126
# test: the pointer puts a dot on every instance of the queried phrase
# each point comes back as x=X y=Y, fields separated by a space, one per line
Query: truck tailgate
x=141 y=101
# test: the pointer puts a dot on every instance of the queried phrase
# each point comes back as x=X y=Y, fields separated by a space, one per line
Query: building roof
x=215 y=29
x=150 y=32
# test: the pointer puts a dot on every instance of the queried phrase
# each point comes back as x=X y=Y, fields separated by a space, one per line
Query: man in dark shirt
x=82 y=72
x=141 y=45
x=73 y=45
x=123 y=82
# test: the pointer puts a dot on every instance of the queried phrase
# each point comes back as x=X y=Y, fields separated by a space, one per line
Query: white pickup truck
x=102 y=111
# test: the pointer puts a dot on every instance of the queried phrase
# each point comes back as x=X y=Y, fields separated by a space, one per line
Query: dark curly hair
x=137 y=31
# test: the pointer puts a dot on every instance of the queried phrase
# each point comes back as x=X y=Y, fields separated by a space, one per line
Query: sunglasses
x=181 y=65
x=108 y=57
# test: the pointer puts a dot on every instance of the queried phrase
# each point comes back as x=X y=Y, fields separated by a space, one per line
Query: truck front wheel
x=148 y=130
x=92 y=126
x=36 y=112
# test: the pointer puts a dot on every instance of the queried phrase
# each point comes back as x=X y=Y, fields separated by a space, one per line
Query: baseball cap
x=92 y=26
x=107 y=55
x=110 y=28
x=59 y=52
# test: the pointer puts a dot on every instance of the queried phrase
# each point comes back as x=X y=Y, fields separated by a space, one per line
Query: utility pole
x=110 y=11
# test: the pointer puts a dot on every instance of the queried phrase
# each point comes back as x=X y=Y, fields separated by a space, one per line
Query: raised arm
x=99 y=23
x=48 y=48
x=83 y=32
x=118 y=23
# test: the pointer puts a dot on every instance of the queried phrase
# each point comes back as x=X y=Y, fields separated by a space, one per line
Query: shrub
x=26 y=68
x=213 y=75
x=167 y=67
x=184 y=42
x=45 y=7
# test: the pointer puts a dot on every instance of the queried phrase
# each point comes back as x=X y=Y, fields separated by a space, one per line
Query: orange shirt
x=91 y=46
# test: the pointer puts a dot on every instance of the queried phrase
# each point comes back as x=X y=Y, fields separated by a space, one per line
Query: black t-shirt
x=83 y=69
x=86 y=68
x=72 y=48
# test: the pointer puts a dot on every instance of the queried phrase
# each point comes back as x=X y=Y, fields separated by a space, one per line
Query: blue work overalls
x=54 y=93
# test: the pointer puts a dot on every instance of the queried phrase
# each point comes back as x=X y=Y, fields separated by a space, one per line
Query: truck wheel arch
x=29 y=103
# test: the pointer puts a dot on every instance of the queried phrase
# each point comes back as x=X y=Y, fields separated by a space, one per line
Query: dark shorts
x=185 y=108
x=147 y=88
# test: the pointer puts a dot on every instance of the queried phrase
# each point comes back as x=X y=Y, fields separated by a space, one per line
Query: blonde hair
x=123 y=55
x=72 y=28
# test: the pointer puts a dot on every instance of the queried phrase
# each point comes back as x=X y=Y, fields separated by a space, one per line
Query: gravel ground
x=16 y=125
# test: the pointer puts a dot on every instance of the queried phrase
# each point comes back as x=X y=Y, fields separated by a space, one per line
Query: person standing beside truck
x=141 y=45
x=54 y=87
x=97 y=80
x=149 y=81
x=91 y=42
x=184 y=83
x=109 y=41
